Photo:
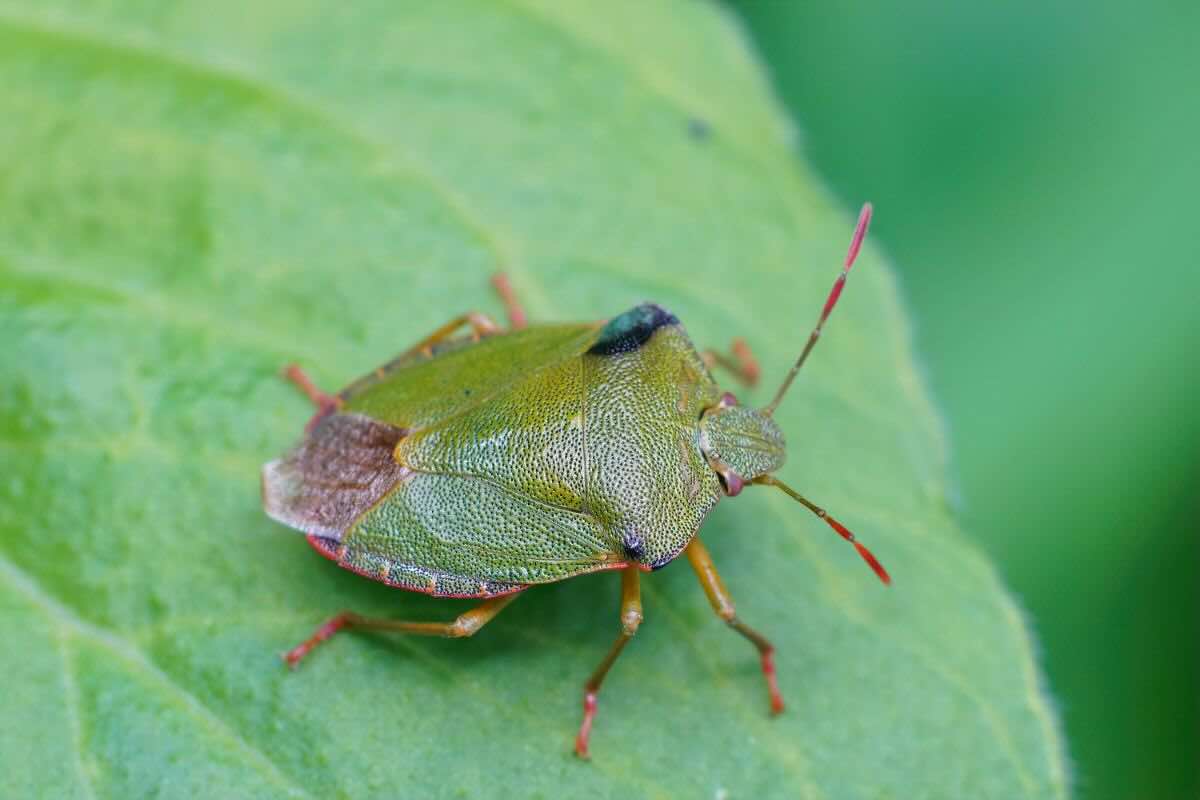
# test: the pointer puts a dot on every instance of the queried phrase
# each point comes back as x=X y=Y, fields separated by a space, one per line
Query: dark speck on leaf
x=698 y=129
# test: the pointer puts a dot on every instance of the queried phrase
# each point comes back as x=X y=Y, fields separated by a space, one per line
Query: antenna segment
x=860 y=231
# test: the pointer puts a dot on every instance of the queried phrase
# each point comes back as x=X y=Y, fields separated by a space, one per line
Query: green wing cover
x=395 y=485
x=519 y=459
x=458 y=535
x=426 y=391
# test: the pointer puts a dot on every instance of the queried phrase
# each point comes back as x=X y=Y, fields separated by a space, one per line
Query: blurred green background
x=1033 y=167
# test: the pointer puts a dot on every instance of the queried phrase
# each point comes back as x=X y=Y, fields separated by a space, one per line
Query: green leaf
x=193 y=195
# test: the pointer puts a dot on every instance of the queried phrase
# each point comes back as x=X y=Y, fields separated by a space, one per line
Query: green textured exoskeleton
x=477 y=465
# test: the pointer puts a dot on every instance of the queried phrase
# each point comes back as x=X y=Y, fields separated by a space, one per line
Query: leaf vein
x=289 y=101
x=65 y=618
x=72 y=703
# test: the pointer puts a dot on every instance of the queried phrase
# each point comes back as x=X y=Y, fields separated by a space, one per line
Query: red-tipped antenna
x=841 y=529
x=860 y=231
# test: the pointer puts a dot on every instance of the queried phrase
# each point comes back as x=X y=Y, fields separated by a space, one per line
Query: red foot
x=768 y=668
x=292 y=657
x=585 y=729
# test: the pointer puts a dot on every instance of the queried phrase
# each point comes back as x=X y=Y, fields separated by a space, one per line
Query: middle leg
x=631 y=618
x=722 y=603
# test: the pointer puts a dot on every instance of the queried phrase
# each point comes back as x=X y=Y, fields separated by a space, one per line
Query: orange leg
x=631 y=618
x=741 y=363
x=481 y=325
x=722 y=603
x=516 y=314
x=467 y=624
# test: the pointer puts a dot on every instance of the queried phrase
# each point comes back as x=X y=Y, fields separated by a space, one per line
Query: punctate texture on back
x=526 y=457
x=194 y=194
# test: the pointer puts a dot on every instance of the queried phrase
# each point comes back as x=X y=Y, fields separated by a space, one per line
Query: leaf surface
x=193 y=195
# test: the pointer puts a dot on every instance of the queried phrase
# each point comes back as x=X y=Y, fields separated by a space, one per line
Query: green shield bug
x=480 y=464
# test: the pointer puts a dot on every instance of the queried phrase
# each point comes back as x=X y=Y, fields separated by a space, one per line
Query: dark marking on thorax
x=629 y=331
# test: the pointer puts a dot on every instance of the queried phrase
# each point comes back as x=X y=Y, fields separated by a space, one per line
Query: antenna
x=860 y=231
x=867 y=555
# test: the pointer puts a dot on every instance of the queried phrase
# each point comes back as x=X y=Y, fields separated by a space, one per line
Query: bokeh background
x=1034 y=168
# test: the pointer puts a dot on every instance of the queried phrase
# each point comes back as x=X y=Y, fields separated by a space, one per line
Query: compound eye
x=731 y=483
x=728 y=400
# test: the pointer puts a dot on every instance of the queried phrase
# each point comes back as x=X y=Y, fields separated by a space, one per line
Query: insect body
x=480 y=465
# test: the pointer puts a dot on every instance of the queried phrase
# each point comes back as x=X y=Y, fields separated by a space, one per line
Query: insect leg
x=481 y=326
x=516 y=314
x=326 y=403
x=722 y=603
x=631 y=618
x=741 y=363
x=467 y=624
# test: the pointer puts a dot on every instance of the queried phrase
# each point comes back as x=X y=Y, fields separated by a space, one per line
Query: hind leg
x=467 y=624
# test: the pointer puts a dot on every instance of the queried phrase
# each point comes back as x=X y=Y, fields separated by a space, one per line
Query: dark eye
x=731 y=482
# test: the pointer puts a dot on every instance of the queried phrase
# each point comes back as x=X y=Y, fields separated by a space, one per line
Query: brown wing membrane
x=336 y=473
